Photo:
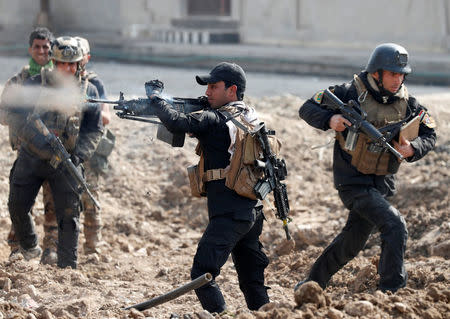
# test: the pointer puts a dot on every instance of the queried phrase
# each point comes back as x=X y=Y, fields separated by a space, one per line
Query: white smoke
x=66 y=97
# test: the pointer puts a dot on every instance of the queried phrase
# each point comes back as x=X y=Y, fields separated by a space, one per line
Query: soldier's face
x=67 y=67
x=39 y=51
x=392 y=81
x=218 y=95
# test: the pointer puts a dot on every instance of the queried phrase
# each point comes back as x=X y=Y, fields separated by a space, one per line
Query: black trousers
x=26 y=179
x=225 y=235
x=368 y=210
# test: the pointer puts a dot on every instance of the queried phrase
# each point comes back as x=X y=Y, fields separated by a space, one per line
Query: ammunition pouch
x=71 y=133
x=369 y=157
x=99 y=161
x=195 y=174
x=106 y=144
x=175 y=140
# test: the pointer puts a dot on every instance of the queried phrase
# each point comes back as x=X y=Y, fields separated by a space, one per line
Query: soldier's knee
x=69 y=223
x=17 y=204
x=396 y=225
x=196 y=272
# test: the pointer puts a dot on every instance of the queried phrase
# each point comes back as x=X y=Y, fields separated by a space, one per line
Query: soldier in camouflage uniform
x=79 y=129
x=39 y=48
x=97 y=165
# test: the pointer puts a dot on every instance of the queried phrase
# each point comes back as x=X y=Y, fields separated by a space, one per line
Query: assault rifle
x=62 y=157
x=274 y=172
x=353 y=112
x=140 y=109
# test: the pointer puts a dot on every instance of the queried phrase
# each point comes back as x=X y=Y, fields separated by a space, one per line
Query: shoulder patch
x=427 y=119
x=318 y=97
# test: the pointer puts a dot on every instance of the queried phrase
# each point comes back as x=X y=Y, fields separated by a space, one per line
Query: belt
x=214 y=174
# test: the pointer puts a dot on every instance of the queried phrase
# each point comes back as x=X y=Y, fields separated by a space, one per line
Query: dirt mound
x=152 y=226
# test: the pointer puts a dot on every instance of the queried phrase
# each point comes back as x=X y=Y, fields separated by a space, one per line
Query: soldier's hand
x=404 y=147
x=339 y=123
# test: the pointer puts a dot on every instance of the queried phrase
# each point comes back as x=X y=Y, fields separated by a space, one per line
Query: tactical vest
x=241 y=175
x=64 y=125
x=368 y=157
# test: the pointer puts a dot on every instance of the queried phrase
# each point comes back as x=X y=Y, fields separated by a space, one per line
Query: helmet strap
x=380 y=85
x=79 y=71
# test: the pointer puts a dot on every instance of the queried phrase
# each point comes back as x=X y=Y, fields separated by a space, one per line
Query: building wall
x=86 y=15
x=18 y=15
x=418 y=24
x=142 y=17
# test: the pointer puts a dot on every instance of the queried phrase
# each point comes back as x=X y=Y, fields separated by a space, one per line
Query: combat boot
x=14 y=254
x=49 y=257
x=31 y=253
x=90 y=249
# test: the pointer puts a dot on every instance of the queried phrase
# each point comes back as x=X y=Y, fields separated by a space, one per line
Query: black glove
x=76 y=160
x=154 y=88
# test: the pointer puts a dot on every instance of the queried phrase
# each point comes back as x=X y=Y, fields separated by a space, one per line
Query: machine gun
x=140 y=109
x=274 y=172
x=62 y=157
x=353 y=112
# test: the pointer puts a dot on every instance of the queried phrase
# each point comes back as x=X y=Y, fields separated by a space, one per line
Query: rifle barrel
x=102 y=101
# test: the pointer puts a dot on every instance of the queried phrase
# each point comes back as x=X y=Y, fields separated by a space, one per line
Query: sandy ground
x=152 y=226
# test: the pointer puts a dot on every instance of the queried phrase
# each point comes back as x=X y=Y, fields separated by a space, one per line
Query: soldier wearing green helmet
x=96 y=166
x=79 y=129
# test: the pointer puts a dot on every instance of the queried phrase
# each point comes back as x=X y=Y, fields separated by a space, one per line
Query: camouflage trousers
x=92 y=219
x=92 y=224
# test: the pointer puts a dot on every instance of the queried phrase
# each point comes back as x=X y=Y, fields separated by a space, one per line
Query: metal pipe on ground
x=194 y=284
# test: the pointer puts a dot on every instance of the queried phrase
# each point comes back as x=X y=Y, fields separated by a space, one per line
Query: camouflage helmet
x=66 y=49
x=389 y=57
x=84 y=45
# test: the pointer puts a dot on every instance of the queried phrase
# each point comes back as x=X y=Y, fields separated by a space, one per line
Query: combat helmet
x=84 y=45
x=66 y=49
x=389 y=57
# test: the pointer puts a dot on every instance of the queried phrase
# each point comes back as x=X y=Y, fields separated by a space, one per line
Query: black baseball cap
x=224 y=71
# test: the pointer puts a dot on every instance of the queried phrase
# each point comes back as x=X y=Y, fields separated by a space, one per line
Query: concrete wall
x=418 y=24
x=18 y=16
x=141 y=17
x=88 y=15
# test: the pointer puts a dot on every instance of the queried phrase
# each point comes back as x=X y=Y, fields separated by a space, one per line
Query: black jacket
x=210 y=128
x=346 y=175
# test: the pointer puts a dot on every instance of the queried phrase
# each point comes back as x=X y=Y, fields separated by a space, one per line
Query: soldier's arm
x=315 y=114
x=91 y=129
x=177 y=122
x=106 y=113
x=5 y=99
